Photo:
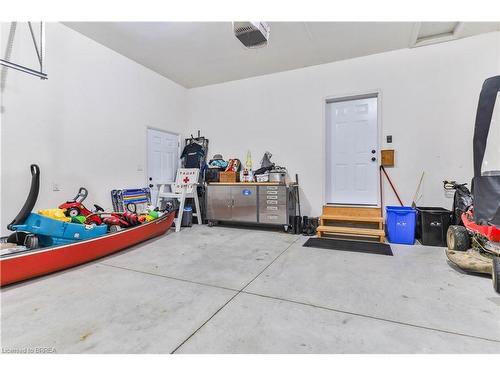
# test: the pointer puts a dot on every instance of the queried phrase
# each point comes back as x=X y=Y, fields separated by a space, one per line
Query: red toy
x=116 y=221
x=75 y=207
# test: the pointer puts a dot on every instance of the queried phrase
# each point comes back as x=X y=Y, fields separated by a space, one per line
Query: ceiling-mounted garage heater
x=252 y=34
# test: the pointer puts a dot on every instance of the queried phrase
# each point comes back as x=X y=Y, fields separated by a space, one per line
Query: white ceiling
x=201 y=53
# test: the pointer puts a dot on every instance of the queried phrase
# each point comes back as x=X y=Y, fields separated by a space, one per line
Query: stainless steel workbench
x=253 y=203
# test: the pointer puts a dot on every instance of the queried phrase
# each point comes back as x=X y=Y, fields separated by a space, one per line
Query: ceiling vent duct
x=252 y=34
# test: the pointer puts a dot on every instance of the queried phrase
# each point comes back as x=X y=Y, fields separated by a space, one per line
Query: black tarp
x=486 y=186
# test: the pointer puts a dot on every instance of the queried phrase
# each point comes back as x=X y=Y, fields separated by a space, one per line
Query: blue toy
x=51 y=232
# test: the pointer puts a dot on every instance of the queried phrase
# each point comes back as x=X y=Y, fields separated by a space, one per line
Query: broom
x=413 y=203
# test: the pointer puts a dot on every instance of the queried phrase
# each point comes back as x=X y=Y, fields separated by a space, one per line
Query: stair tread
x=352 y=211
x=353 y=218
x=351 y=230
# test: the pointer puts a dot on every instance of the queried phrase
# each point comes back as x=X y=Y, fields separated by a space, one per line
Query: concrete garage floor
x=229 y=290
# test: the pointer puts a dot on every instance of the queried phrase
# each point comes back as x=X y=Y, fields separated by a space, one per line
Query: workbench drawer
x=272 y=199
x=272 y=195
x=272 y=212
x=281 y=189
x=273 y=217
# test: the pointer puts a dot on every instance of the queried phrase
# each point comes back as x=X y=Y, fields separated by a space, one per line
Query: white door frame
x=345 y=97
x=146 y=170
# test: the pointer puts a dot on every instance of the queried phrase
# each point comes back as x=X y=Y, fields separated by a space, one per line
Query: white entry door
x=352 y=152
x=163 y=157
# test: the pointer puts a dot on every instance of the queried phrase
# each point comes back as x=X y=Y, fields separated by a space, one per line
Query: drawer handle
x=272 y=208
x=272 y=217
x=272 y=202
x=272 y=188
x=272 y=192
x=272 y=197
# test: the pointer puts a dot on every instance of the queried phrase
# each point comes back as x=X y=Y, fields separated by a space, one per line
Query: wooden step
x=351 y=231
x=352 y=211
x=352 y=221
x=365 y=219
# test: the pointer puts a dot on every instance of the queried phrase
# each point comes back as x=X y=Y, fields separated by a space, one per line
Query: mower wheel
x=458 y=238
x=495 y=273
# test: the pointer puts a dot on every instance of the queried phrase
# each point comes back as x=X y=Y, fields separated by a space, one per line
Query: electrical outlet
x=389 y=139
x=139 y=168
x=55 y=187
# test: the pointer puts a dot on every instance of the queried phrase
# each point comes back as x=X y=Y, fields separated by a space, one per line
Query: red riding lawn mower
x=474 y=240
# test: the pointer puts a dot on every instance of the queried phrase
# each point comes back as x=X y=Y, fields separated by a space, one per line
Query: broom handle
x=418 y=187
x=392 y=186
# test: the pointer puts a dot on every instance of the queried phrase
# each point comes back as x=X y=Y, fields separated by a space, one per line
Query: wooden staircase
x=362 y=222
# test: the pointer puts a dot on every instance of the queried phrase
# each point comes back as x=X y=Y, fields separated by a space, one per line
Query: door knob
x=150 y=178
x=373 y=151
x=373 y=159
x=151 y=185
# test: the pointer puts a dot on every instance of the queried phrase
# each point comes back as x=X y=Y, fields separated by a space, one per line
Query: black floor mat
x=348 y=245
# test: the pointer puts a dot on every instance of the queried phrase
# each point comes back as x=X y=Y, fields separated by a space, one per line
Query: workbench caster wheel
x=211 y=224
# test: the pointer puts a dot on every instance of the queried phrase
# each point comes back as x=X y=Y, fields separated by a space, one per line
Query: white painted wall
x=85 y=125
x=429 y=97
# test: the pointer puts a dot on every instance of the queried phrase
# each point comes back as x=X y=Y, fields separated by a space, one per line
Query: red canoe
x=32 y=263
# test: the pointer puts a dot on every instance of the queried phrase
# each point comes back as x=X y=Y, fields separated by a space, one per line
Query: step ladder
x=350 y=221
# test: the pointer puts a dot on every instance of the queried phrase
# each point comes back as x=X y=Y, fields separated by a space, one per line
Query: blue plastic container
x=400 y=224
x=53 y=232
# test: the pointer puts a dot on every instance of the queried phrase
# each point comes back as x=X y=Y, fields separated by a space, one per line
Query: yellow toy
x=55 y=213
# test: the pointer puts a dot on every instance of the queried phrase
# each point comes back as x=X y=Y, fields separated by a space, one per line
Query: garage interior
x=250 y=187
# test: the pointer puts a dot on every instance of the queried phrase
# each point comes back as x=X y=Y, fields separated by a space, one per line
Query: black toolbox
x=432 y=225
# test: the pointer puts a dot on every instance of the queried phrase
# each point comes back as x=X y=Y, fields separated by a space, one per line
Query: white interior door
x=352 y=152
x=163 y=157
